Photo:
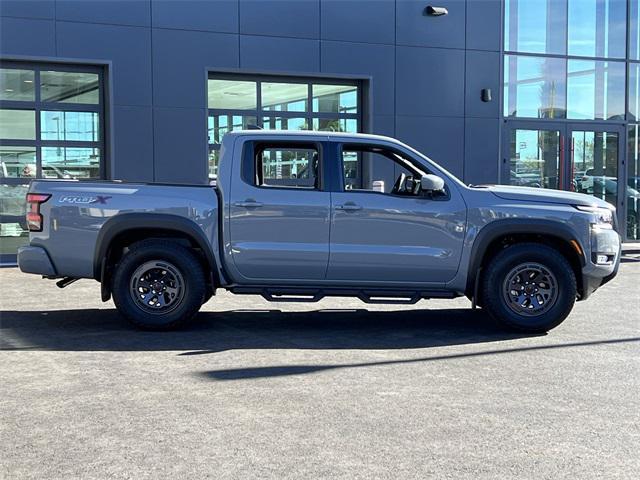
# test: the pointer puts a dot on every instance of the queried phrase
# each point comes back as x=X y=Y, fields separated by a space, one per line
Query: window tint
x=287 y=167
x=384 y=171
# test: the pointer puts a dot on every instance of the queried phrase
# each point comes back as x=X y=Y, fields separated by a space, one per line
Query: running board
x=371 y=296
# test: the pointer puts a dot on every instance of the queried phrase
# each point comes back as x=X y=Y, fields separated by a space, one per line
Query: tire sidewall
x=513 y=256
x=189 y=268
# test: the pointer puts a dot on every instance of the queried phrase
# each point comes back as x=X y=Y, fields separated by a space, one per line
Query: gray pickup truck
x=297 y=216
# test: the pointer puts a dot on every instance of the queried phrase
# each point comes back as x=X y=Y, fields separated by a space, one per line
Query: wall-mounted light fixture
x=486 y=95
x=436 y=11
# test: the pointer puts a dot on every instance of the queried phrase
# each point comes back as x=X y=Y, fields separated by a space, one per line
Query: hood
x=531 y=194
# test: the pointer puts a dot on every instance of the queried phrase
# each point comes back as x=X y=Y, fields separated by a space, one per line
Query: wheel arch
x=126 y=229
x=502 y=233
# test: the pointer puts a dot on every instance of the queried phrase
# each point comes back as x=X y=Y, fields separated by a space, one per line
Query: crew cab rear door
x=279 y=213
x=385 y=235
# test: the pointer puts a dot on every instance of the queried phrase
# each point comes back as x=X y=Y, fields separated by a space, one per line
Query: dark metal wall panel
x=482 y=71
x=299 y=19
x=358 y=21
x=214 y=16
x=180 y=145
x=377 y=61
x=28 y=9
x=481 y=159
x=119 y=12
x=26 y=36
x=179 y=61
x=279 y=54
x=129 y=48
x=484 y=24
x=439 y=138
x=429 y=81
x=415 y=27
x=133 y=141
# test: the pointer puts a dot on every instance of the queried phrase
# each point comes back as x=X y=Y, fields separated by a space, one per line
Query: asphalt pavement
x=337 y=389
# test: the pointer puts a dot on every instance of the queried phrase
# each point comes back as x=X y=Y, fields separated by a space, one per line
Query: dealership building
x=542 y=93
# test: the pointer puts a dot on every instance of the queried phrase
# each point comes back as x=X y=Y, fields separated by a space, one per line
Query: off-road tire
x=495 y=287
x=182 y=264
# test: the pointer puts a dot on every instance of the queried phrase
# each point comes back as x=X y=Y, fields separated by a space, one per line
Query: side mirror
x=431 y=184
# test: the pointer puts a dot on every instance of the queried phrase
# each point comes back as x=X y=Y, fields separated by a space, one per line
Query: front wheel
x=158 y=285
x=529 y=287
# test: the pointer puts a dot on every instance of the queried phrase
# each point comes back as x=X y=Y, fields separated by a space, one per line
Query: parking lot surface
x=337 y=389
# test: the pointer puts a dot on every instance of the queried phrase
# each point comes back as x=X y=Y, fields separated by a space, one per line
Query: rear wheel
x=529 y=287
x=158 y=285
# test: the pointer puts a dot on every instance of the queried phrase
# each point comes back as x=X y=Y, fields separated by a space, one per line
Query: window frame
x=355 y=145
x=38 y=106
x=260 y=114
x=252 y=148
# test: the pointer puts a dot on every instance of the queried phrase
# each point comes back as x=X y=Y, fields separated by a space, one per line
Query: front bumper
x=35 y=260
x=603 y=243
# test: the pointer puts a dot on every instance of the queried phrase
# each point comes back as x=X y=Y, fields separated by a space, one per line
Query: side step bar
x=373 y=296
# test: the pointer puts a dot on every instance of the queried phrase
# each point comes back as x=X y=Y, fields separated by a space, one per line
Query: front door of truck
x=384 y=231
x=279 y=214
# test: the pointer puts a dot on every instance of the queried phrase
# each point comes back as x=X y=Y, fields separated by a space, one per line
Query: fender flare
x=507 y=226
x=156 y=221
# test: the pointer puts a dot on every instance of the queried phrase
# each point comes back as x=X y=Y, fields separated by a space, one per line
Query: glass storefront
x=275 y=103
x=571 y=94
x=51 y=126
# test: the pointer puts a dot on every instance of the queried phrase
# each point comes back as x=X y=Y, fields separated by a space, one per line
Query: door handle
x=248 y=204
x=349 y=207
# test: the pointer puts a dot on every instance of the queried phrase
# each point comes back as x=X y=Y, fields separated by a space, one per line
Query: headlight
x=602 y=217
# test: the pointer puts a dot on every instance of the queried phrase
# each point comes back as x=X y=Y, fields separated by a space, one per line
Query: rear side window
x=294 y=166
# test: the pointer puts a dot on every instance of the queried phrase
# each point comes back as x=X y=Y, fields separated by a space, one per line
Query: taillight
x=34 y=217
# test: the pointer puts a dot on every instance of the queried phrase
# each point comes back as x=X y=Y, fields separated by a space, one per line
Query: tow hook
x=66 y=281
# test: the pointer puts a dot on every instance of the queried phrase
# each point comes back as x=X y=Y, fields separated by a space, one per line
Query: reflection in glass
x=595 y=164
x=17 y=124
x=597 y=28
x=535 y=158
x=534 y=87
x=232 y=94
x=634 y=29
x=17 y=162
x=13 y=225
x=284 y=123
x=294 y=167
x=69 y=87
x=214 y=160
x=595 y=90
x=220 y=125
x=285 y=97
x=632 y=194
x=59 y=162
x=71 y=126
x=335 y=98
x=335 y=124
x=17 y=85
x=634 y=91
x=535 y=26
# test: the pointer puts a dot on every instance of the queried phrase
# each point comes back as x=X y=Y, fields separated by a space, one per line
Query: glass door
x=533 y=155
x=579 y=157
x=595 y=162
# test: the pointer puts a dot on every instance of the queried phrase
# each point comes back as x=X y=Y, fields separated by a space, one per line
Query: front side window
x=383 y=171
x=279 y=103
x=287 y=166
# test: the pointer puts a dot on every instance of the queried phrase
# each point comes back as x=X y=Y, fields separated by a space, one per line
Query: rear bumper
x=594 y=275
x=35 y=260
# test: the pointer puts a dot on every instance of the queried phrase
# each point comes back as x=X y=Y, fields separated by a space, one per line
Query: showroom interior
x=538 y=93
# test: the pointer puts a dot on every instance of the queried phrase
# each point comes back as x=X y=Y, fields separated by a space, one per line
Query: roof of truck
x=307 y=133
